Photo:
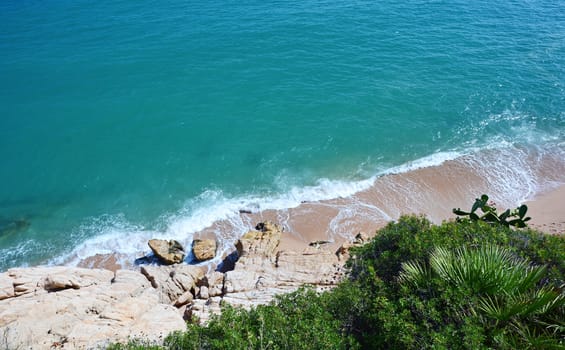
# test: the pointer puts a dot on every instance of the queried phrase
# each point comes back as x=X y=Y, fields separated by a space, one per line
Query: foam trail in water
x=22 y=249
x=424 y=162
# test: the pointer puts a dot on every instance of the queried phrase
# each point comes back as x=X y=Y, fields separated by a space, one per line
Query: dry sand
x=548 y=211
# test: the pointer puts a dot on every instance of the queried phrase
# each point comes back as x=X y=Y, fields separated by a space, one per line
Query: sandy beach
x=548 y=211
x=432 y=192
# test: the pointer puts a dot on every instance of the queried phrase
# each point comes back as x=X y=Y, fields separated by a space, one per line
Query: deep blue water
x=120 y=117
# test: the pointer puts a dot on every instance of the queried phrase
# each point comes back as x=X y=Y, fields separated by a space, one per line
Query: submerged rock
x=204 y=249
x=11 y=227
x=169 y=252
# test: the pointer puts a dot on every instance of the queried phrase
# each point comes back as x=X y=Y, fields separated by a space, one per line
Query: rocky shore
x=83 y=308
x=77 y=308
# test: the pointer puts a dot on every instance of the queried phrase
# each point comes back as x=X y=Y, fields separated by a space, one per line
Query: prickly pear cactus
x=488 y=213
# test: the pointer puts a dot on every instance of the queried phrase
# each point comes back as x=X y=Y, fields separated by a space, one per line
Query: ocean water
x=121 y=121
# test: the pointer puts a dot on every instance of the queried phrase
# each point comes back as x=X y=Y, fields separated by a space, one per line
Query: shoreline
x=545 y=208
x=91 y=308
x=432 y=191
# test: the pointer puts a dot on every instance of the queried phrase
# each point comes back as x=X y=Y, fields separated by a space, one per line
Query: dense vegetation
x=460 y=285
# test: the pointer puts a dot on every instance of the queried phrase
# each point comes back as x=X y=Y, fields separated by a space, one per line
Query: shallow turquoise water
x=124 y=115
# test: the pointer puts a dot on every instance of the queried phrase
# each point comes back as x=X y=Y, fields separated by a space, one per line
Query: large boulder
x=204 y=249
x=169 y=252
x=173 y=282
x=260 y=244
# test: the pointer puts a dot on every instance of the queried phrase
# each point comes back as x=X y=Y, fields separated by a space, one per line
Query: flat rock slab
x=74 y=308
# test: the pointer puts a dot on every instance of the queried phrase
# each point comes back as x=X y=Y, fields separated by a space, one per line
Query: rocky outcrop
x=262 y=271
x=251 y=283
x=204 y=249
x=169 y=252
x=258 y=272
x=173 y=282
x=75 y=308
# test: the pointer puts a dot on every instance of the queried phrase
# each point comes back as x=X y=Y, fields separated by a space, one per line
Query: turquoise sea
x=125 y=119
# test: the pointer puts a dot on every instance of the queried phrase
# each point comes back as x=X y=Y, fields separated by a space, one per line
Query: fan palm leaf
x=505 y=287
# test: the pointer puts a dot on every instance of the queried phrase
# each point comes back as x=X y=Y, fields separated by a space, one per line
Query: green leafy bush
x=499 y=288
x=135 y=344
x=436 y=313
x=459 y=285
x=298 y=320
x=414 y=237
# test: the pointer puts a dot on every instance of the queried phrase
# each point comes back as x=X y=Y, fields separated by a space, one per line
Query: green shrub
x=414 y=237
x=438 y=314
x=298 y=320
x=135 y=344
x=494 y=285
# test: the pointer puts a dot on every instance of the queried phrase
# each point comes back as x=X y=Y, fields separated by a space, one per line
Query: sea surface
x=126 y=120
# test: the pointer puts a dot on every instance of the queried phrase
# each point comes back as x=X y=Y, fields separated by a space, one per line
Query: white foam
x=511 y=176
x=517 y=173
x=424 y=162
x=24 y=248
x=110 y=235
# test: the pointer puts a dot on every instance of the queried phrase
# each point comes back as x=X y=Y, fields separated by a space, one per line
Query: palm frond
x=415 y=273
x=543 y=300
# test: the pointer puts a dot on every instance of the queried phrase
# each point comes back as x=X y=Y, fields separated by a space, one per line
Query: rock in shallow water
x=169 y=252
x=204 y=249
